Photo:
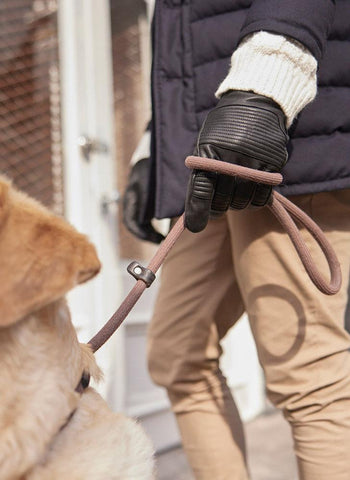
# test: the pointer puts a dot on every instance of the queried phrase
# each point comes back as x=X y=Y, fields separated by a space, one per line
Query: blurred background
x=74 y=102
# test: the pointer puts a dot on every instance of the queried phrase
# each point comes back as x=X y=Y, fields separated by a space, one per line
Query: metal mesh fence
x=30 y=138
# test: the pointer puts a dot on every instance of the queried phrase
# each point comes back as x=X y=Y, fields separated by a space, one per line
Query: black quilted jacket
x=192 y=44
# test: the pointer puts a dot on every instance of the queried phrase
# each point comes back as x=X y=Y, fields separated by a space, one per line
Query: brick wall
x=30 y=133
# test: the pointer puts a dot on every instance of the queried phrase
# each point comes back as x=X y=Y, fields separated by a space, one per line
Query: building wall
x=30 y=138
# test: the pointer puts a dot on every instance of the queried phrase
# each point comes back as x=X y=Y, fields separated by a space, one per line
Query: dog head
x=42 y=257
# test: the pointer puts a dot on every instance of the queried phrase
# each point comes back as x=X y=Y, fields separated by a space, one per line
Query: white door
x=89 y=170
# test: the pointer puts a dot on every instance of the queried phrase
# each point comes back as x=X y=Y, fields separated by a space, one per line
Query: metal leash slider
x=141 y=273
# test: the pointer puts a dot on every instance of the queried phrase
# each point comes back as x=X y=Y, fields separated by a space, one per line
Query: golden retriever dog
x=52 y=425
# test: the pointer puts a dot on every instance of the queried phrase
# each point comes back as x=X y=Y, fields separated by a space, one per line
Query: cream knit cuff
x=143 y=149
x=274 y=66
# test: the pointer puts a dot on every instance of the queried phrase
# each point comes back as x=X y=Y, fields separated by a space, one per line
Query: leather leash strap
x=285 y=212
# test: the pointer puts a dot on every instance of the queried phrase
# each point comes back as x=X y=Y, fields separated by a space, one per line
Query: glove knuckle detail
x=247 y=130
x=202 y=187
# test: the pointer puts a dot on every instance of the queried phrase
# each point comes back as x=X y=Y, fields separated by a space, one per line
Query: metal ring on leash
x=281 y=207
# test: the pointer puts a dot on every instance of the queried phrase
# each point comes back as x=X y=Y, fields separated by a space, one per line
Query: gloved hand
x=245 y=129
x=134 y=199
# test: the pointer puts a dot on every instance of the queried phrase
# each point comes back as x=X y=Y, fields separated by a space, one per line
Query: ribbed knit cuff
x=275 y=66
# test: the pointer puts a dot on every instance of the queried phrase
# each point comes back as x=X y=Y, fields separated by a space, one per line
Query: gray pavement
x=269 y=446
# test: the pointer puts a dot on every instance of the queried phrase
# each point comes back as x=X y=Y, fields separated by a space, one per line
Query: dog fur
x=49 y=431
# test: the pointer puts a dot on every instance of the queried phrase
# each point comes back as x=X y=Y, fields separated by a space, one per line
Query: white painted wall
x=87 y=110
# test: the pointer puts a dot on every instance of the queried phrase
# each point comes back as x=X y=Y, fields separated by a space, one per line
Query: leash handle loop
x=285 y=211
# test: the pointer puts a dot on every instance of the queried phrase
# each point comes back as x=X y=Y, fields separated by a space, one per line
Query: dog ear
x=42 y=256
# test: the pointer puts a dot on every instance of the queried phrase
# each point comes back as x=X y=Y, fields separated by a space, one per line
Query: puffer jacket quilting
x=193 y=43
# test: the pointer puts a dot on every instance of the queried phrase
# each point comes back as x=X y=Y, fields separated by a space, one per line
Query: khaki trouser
x=245 y=262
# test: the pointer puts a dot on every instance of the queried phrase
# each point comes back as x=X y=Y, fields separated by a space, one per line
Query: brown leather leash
x=284 y=210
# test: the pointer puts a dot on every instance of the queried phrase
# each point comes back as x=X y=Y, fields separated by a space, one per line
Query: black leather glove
x=134 y=199
x=245 y=129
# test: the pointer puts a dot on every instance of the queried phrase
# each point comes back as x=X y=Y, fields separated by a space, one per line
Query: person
x=239 y=259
